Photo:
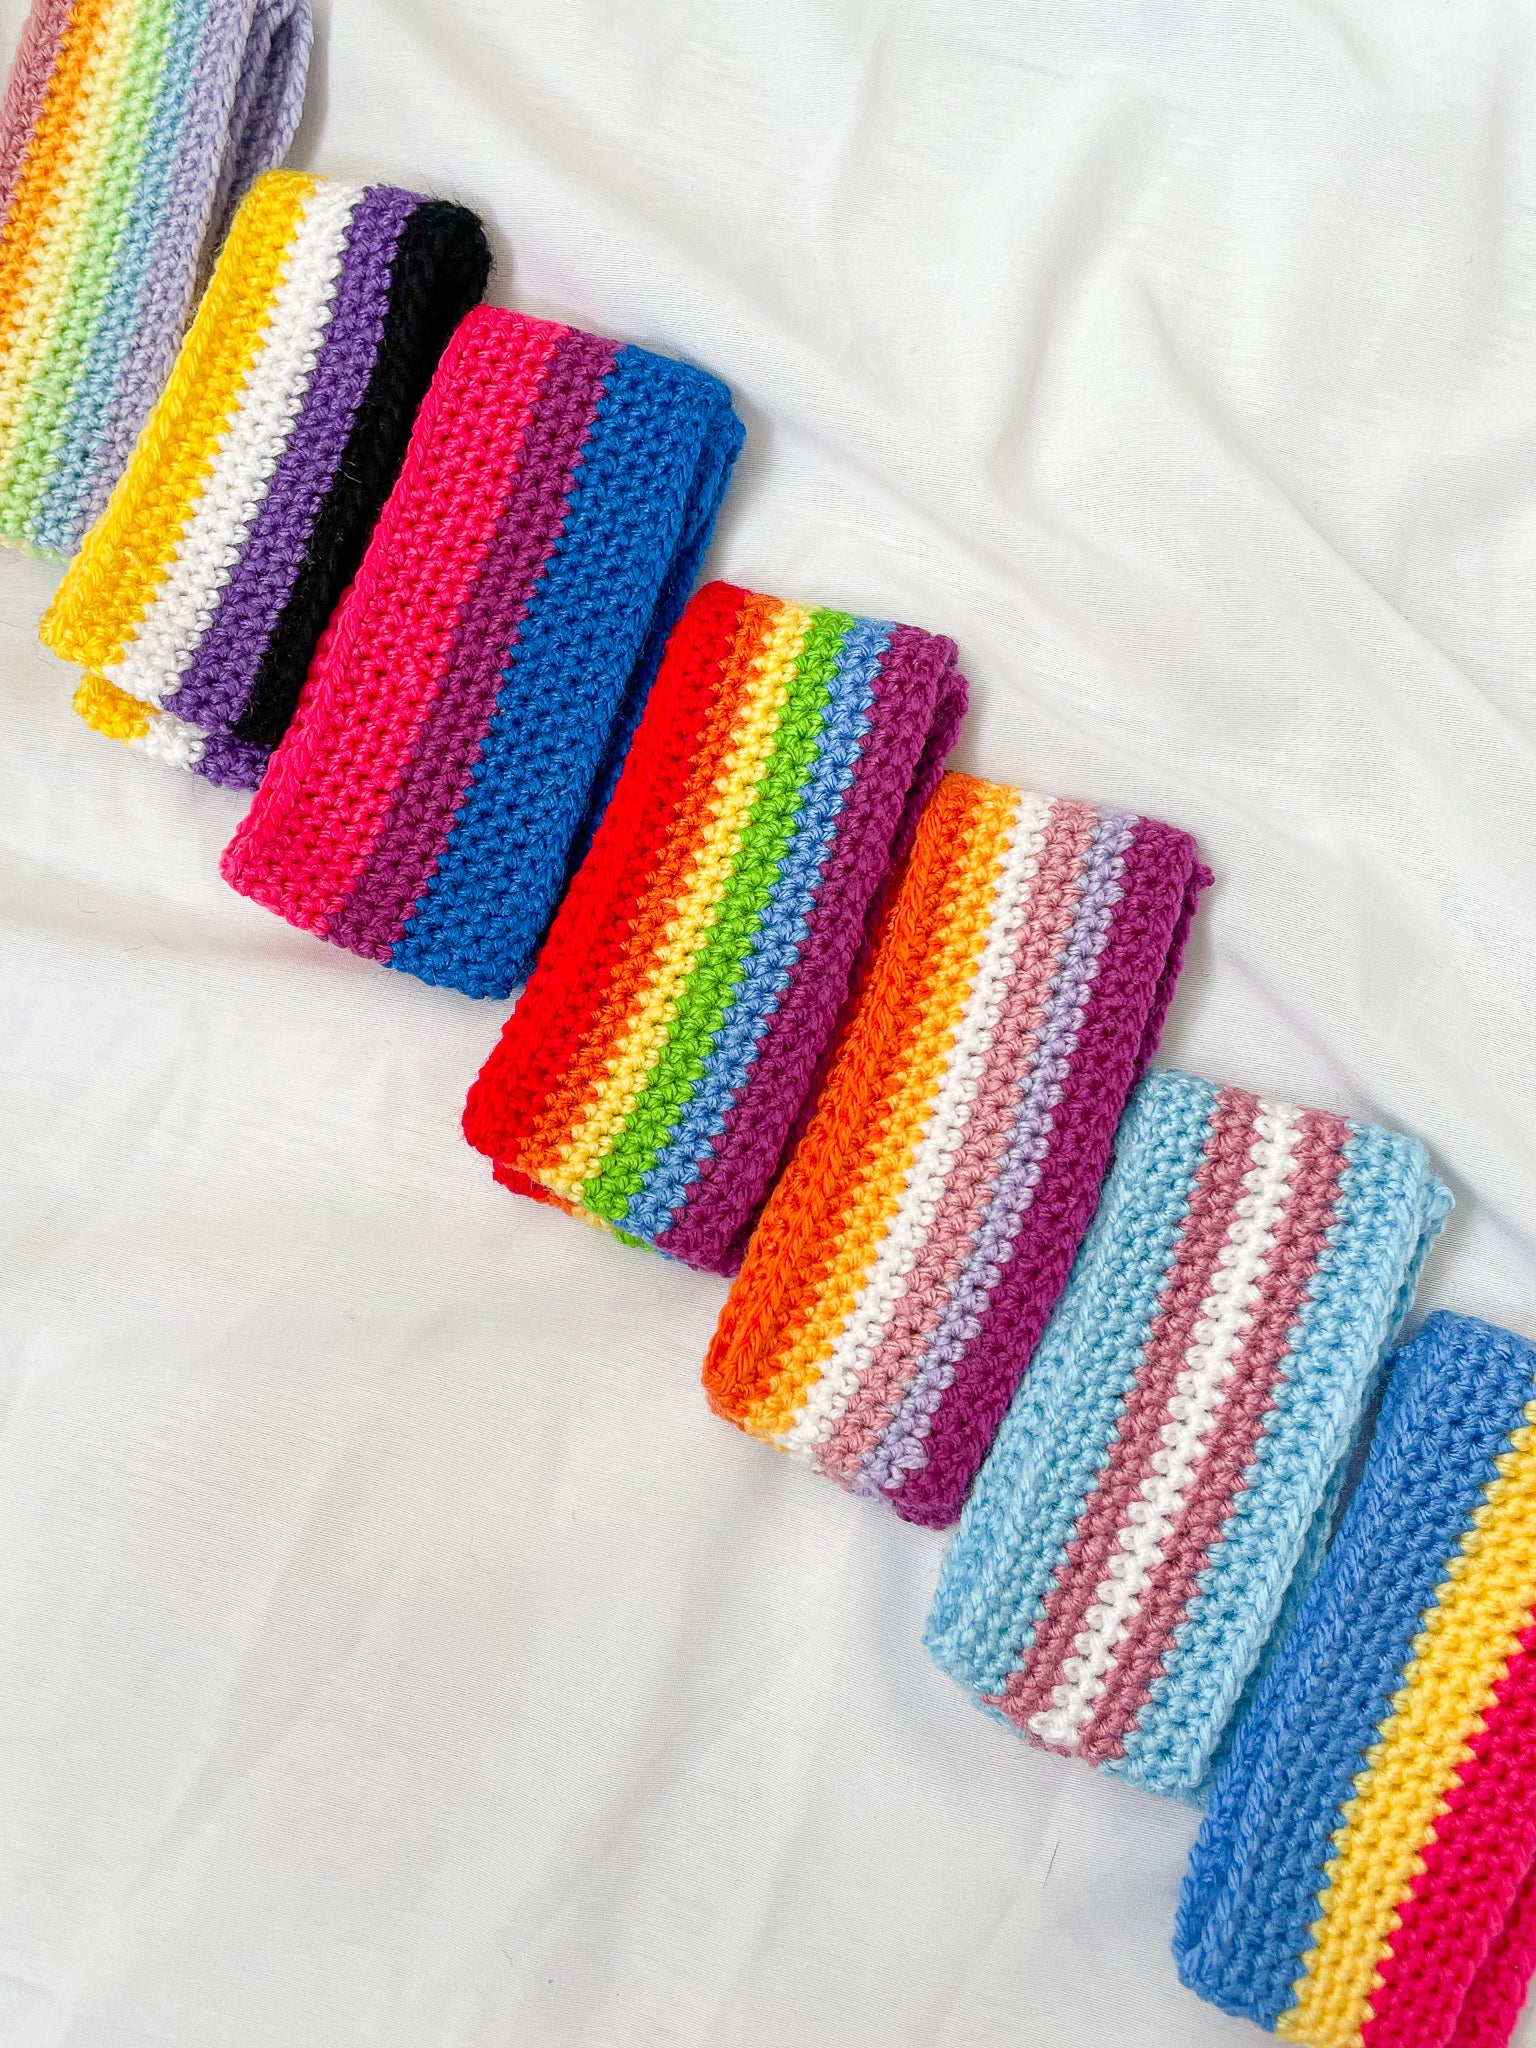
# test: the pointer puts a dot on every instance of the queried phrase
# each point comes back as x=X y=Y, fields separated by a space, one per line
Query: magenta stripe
x=1216 y=1190
x=1299 y=1240
x=426 y=800
x=969 y=1186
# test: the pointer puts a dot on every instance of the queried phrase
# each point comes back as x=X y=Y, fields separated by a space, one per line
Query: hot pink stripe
x=382 y=659
x=968 y=1187
x=1258 y=1366
x=1218 y=1187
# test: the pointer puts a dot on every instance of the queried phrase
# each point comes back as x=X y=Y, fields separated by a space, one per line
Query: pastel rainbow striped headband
x=1365 y=1876
x=682 y=1009
x=196 y=601
x=906 y=1264
x=1165 y=1477
x=467 y=709
x=129 y=130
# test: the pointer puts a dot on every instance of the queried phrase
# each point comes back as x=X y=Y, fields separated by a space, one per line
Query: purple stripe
x=1155 y=887
x=26 y=89
x=919 y=699
x=232 y=763
x=427 y=797
x=901 y=1449
x=219 y=680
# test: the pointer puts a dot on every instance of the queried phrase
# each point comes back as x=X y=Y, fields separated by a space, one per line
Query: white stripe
x=854 y=1351
x=1198 y=1396
x=247 y=453
x=172 y=740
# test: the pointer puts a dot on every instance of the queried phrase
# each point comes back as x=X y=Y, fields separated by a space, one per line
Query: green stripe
x=717 y=969
x=27 y=468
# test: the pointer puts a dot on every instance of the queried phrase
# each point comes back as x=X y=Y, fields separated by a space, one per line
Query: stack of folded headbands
x=130 y=129
x=196 y=602
x=800 y=1007
x=467 y=708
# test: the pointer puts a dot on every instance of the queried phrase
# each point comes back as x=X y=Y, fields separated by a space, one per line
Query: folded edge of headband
x=910 y=1257
x=130 y=129
x=1176 y=1447
x=197 y=599
x=1365 y=1875
x=469 y=701
x=681 y=1011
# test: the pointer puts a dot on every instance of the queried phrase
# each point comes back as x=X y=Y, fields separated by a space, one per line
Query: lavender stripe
x=901 y=1448
x=218 y=682
x=431 y=788
x=917 y=705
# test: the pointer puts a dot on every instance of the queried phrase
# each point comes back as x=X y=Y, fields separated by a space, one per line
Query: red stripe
x=1300 y=1237
x=590 y=953
x=1466 y=1943
x=1218 y=1185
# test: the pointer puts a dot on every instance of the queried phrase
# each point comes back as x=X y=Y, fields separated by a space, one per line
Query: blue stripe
x=781 y=932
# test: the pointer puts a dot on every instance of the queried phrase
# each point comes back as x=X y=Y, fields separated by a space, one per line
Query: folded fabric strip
x=906 y=1266
x=129 y=131
x=196 y=601
x=679 y=1016
x=1171 y=1461
x=469 y=703
x=1365 y=1876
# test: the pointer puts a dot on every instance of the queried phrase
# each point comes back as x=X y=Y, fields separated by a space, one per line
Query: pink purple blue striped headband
x=1164 y=1479
x=469 y=705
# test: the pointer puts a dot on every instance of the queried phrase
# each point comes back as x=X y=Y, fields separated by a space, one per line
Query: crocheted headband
x=907 y=1263
x=129 y=130
x=680 y=1014
x=472 y=695
x=1365 y=1876
x=198 y=598
x=1167 y=1470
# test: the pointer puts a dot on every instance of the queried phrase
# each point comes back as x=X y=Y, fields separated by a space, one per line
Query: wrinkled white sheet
x=393 y=1650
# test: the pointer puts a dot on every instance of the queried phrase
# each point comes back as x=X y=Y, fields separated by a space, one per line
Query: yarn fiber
x=196 y=602
x=908 y=1261
x=1365 y=1876
x=683 y=1007
x=1166 y=1473
x=469 y=704
x=129 y=131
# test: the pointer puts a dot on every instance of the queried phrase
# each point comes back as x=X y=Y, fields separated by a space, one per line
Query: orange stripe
x=667 y=884
x=49 y=156
x=820 y=1231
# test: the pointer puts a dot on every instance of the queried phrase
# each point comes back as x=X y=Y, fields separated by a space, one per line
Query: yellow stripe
x=126 y=554
x=40 y=299
x=106 y=708
x=1469 y=1635
x=937 y=1011
x=639 y=1046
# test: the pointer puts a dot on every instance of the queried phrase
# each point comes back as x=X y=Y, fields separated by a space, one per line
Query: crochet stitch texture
x=908 y=1261
x=197 y=599
x=1166 y=1473
x=1365 y=1876
x=473 y=695
x=129 y=131
x=682 y=1009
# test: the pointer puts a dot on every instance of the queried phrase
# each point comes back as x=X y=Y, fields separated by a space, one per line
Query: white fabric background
x=393 y=1650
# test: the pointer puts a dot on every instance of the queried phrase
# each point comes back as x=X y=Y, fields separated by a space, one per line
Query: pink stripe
x=381 y=662
x=1300 y=1238
x=1218 y=1187
x=968 y=1187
